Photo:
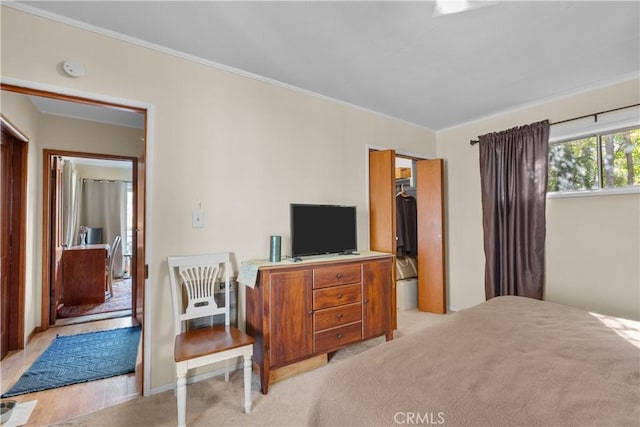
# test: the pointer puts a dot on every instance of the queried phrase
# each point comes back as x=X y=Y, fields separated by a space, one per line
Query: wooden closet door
x=382 y=212
x=382 y=202
x=431 y=237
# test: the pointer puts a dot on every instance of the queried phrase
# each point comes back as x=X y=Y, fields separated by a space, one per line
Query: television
x=322 y=229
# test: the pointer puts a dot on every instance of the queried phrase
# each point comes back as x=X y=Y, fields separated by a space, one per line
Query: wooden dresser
x=299 y=312
x=84 y=274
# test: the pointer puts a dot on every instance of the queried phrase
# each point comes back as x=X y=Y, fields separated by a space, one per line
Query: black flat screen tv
x=322 y=229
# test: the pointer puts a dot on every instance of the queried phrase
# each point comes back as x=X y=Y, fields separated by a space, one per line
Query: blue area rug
x=80 y=358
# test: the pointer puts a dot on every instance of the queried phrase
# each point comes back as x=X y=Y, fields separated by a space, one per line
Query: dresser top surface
x=324 y=259
x=103 y=246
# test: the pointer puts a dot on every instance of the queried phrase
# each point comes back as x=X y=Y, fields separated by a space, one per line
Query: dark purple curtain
x=513 y=173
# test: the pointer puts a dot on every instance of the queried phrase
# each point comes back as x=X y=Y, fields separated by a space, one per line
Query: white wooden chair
x=193 y=280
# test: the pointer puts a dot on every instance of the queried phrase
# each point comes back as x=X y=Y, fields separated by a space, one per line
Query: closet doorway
x=427 y=187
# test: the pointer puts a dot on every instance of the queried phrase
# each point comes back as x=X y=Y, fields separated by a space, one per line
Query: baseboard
x=196 y=378
x=34 y=331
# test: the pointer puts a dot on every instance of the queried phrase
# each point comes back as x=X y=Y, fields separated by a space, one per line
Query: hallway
x=66 y=402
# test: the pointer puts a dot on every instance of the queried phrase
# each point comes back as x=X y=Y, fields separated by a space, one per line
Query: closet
x=427 y=188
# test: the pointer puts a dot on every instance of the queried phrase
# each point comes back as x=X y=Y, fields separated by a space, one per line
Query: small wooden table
x=84 y=274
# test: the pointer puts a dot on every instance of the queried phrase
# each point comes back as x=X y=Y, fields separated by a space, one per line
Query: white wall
x=104 y=172
x=62 y=133
x=593 y=254
x=593 y=243
x=242 y=148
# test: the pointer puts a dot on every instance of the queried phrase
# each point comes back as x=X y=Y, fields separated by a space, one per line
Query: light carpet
x=213 y=402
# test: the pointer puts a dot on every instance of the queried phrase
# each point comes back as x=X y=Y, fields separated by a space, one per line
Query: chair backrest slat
x=199 y=284
x=193 y=282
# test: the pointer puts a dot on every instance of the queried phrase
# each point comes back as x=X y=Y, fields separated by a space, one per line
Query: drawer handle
x=366 y=300
x=339 y=275
x=339 y=296
x=310 y=312
x=339 y=316
x=339 y=336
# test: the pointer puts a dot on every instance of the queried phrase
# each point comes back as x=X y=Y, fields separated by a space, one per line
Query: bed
x=510 y=361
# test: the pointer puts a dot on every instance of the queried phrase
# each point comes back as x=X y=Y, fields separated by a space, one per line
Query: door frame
x=18 y=232
x=47 y=187
x=435 y=288
x=52 y=235
x=143 y=246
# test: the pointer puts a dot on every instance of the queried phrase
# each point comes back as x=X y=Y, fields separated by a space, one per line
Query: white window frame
x=615 y=121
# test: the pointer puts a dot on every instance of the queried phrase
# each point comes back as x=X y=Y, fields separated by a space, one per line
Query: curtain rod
x=595 y=116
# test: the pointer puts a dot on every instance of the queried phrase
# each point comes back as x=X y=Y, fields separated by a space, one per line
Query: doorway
x=92 y=222
x=137 y=269
x=427 y=185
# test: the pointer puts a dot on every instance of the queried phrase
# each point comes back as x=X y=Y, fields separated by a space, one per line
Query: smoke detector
x=73 y=68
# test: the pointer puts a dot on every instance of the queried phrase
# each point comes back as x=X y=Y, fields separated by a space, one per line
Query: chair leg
x=109 y=292
x=247 y=384
x=181 y=395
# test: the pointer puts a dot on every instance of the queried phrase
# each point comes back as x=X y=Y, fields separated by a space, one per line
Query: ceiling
x=105 y=163
x=398 y=59
x=94 y=113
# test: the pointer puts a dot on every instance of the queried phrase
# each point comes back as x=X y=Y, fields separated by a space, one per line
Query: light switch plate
x=197 y=219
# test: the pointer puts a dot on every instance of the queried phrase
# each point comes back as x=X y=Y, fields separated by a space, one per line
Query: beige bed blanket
x=511 y=361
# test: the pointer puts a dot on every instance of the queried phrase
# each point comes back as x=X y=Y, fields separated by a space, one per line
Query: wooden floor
x=67 y=402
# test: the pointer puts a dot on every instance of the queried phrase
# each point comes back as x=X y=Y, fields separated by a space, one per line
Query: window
x=596 y=153
x=601 y=160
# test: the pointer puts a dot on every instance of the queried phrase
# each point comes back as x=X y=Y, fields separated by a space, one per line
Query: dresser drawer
x=337 y=316
x=336 y=275
x=334 y=339
x=337 y=295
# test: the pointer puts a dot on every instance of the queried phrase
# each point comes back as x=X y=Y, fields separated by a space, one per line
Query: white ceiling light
x=447 y=7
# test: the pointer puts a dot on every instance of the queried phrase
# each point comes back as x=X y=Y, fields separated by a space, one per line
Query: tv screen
x=322 y=229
